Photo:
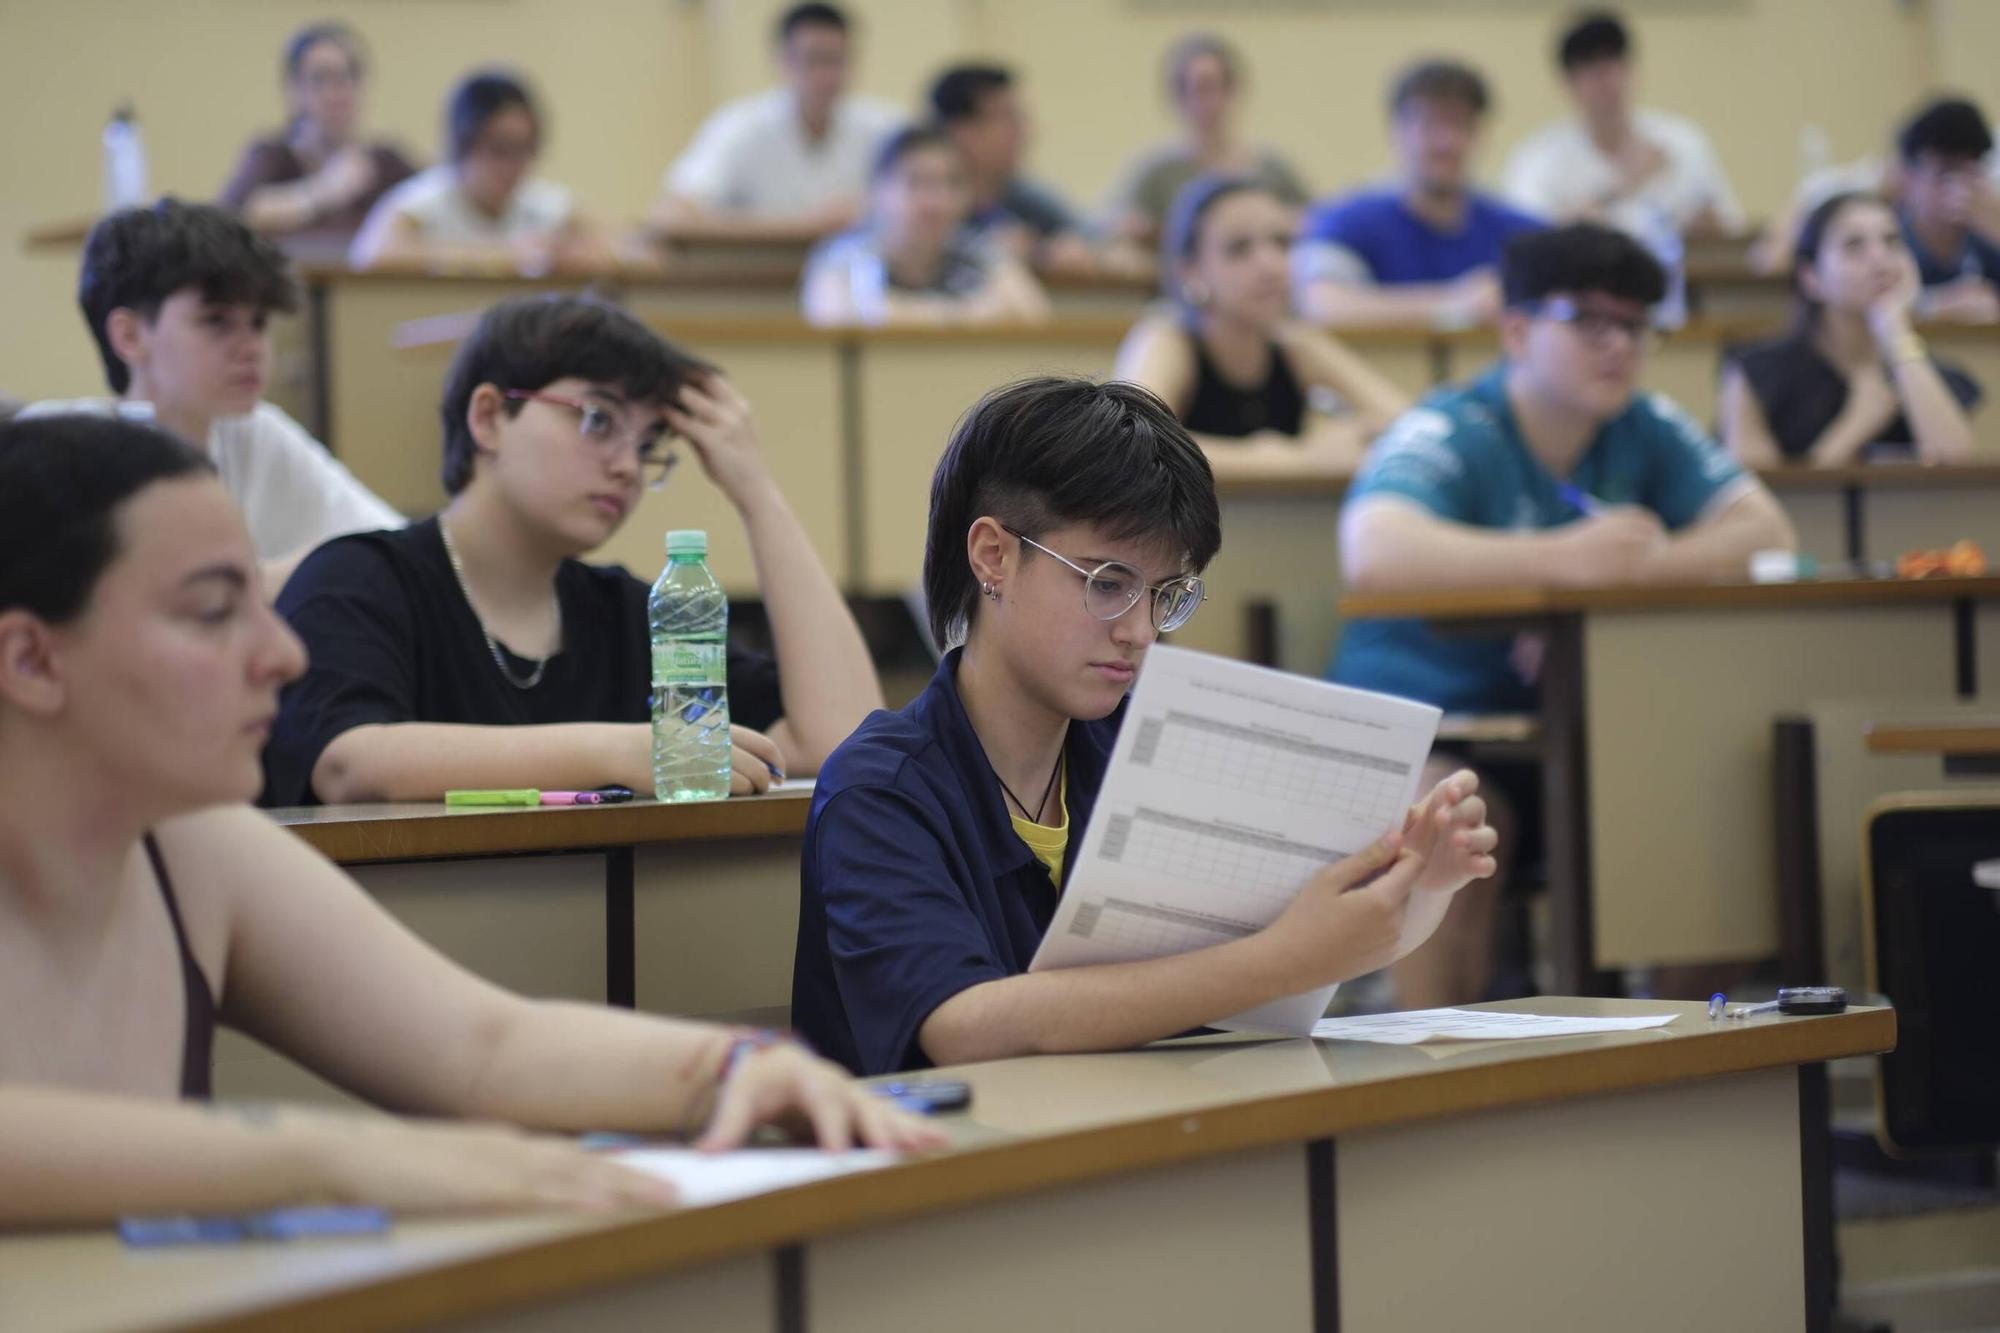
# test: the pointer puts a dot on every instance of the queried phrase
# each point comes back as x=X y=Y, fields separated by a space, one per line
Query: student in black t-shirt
x=1853 y=374
x=1261 y=392
x=474 y=649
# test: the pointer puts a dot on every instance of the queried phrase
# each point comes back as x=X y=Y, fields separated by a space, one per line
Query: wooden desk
x=1657 y=708
x=1970 y=737
x=679 y=909
x=1640 y=1181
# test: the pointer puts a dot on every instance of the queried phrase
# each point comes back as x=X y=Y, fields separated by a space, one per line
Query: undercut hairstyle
x=1581 y=257
x=910 y=139
x=1440 y=81
x=1594 y=35
x=1950 y=127
x=478 y=98
x=1193 y=47
x=63 y=480
x=136 y=258
x=530 y=342
x=1044 y=453
x=958 y=92
x=809 y=16
x=1180 y=238
x=306 y=38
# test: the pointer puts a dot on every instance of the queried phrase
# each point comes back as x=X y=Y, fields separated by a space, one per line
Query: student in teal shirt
x=1552 y=469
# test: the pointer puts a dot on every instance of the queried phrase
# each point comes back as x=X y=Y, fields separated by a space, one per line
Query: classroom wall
x=627 y=81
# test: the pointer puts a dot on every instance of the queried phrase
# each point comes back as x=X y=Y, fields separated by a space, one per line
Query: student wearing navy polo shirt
x=1550 y=469
x=1069 y=524
x=1425 y=249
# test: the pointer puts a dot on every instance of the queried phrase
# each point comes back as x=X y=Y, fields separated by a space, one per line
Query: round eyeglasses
x=600 y=427
x=1113 y=588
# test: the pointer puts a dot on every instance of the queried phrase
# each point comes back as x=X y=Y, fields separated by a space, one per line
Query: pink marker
x=572 y=798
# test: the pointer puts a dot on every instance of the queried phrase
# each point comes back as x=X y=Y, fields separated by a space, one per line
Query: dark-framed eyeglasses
x=1113 y=588
x=1596 y=327
x=600 y=428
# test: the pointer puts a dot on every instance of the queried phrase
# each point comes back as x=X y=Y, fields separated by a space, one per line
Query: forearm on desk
x=1938 y=425
x=72 y=1157
x=1110 y=1007
x=1720 y=547
x=420 y=761
x=1390 y=546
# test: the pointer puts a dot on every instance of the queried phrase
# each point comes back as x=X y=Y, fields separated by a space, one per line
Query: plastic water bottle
x=124 y=160
x=689 y=617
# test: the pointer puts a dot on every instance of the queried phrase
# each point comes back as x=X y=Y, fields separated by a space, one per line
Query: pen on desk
x=1718 y=1004
x=577 y=798
x=514 y=796
x=1579 y=499
x=276 y=1224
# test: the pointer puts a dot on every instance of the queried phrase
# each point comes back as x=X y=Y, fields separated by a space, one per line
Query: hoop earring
x=988 y=591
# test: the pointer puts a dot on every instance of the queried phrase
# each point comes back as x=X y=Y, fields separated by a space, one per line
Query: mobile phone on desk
x=927 y=1096
x=1812 y=999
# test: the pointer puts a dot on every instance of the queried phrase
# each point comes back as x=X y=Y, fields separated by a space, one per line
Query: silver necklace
x=499 y=658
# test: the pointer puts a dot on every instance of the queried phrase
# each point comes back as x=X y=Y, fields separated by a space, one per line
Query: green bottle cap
x=687 y=541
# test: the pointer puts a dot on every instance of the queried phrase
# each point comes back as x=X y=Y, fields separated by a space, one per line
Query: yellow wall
x=627 y=80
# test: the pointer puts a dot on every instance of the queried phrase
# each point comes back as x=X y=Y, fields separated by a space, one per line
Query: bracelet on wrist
x=1906 y=347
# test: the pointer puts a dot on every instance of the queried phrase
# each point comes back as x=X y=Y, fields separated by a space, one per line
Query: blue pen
x=276 y=1224
x=1579 y=499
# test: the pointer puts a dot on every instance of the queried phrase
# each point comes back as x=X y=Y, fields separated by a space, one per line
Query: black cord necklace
x=1034 y=816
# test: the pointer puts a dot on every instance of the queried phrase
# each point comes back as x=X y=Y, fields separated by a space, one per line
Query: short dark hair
x=1594 y=35
x=1581 y=257
x=1041 y=453
x=1440 y=81
x=808 y=16
x=1180 y=237
x=1193 y=47
x=330 y=30
x=959 y=90
x=1949 y=127
x=63 y=479
x=909 y=139
x=136 y=258
x=530 y=342
x=480 y=96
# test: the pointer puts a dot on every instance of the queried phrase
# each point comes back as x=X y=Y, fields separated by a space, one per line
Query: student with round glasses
x=476 y=649
x=1069 y=525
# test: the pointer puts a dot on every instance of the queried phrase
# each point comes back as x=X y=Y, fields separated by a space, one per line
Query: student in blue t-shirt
x=1425 y=249
x=1550 y=469
x=1069 y=525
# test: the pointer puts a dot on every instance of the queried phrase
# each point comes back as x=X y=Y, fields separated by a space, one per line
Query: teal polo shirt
x=1459 y=455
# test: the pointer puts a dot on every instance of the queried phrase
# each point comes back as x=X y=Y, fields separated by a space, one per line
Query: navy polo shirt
x=915 y=885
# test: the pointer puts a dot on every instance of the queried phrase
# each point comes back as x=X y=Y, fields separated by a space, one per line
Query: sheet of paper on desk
x=709 y=1178
x=1229 y=785
x=1421 y=1025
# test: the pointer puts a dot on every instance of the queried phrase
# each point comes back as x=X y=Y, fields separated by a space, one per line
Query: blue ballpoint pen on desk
x=276 y=1224
x=1579 y=499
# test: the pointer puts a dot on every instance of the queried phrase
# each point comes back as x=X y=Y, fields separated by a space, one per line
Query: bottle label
x=689 y=662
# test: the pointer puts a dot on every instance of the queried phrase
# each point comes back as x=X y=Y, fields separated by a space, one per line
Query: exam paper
x=1420 y=1025
x=710 y=1178
x=1229 y=785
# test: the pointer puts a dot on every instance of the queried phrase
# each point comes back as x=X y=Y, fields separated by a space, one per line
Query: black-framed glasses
x=599 y=426
x=1113 y=588
x=1596 y=327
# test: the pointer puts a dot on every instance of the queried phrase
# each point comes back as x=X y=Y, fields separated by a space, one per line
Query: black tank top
x=1221 y=408
x=198 y=1042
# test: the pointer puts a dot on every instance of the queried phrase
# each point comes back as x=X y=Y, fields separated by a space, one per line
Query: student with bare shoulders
x=1853 y=378
x=142 y=905
x=1262 y=393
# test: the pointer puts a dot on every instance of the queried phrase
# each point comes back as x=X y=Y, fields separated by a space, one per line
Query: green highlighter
x=519 y=796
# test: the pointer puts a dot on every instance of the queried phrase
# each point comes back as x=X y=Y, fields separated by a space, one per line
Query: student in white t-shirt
x=177 y=297
x=1633 y=169
x=791 y=163
x=480 y=206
